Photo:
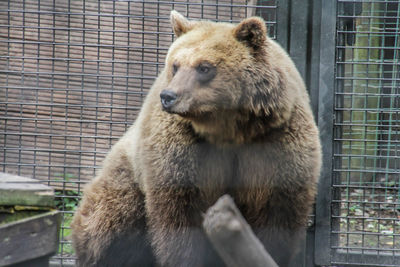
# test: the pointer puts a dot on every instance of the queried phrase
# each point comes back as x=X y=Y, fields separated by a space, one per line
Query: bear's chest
x=246 y=173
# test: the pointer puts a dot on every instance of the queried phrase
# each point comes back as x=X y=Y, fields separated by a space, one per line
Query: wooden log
x=22 y=191
x=29 y=239
x=29 y=225
x=233 y=238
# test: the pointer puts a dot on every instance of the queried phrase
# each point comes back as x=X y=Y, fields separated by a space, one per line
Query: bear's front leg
x=175 y=216
x=109 y=228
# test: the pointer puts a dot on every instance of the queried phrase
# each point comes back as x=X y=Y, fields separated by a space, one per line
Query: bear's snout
x=168 y=99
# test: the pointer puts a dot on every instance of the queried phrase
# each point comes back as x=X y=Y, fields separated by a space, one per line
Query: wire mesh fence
x=366 y=214
x=73 y=75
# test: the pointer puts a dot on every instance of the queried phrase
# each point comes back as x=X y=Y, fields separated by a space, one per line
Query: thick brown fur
x=247 y=130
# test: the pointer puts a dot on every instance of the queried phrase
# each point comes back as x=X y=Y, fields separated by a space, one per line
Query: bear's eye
x=203 y=69
x=175 y=68
x=205 y=72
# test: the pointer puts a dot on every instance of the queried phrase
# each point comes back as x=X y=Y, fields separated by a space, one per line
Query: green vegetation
x=66 y=201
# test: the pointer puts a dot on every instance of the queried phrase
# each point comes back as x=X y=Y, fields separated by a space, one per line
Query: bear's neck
x=229 y=128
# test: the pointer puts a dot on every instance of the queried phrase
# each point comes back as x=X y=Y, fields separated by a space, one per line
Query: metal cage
x=358 y=220
x=73 y=75
x=366 y=167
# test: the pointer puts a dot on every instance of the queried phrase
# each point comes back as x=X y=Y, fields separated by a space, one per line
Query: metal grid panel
x=73 y=75
x=366 y=198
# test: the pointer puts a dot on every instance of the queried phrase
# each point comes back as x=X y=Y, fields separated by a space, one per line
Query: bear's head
x=222 y=76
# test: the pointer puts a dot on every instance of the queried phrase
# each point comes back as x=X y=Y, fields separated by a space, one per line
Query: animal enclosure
x=73 y=75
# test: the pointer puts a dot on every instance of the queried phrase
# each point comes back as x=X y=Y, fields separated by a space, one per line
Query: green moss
x=14 y=215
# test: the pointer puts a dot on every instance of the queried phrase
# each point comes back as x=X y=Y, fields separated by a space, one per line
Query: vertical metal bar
x=312 y=81
x=6 y=87
x=202 y=9
x=216 y=10
x=143 y=46
x=231 y=10
x=299 y=45
x=83 y=57
x=66 y=130
x=282 y=23
x=313 y=49
x=112 y=74
x=309 y=248
x=325 y=123
x=128 y=66
x=160 y=60
x=96 y=124
x=297 y=48
x=299 y=15
x=52 y=84
x=397 y=102
x=379 y=103
x=81 y=113
x=392 y=99
x=393 y=91
x=35 y=145
x=21 y=106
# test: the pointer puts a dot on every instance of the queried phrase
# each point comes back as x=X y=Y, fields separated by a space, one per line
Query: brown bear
x=229 y=114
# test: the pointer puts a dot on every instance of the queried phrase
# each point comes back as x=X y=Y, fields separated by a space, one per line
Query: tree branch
x=233 y=238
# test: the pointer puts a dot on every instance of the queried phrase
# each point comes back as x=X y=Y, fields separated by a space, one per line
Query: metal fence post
x=325 y=122
x=282 y=23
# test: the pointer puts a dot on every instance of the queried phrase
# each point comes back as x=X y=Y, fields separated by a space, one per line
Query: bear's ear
x=180 y=24
x=252 y=32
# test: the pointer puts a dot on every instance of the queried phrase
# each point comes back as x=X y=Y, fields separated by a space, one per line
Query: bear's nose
x=168 y=99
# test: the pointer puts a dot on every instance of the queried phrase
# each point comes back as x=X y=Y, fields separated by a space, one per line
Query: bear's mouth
x=192 y=116
x=176 y=108
x=174 y=111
